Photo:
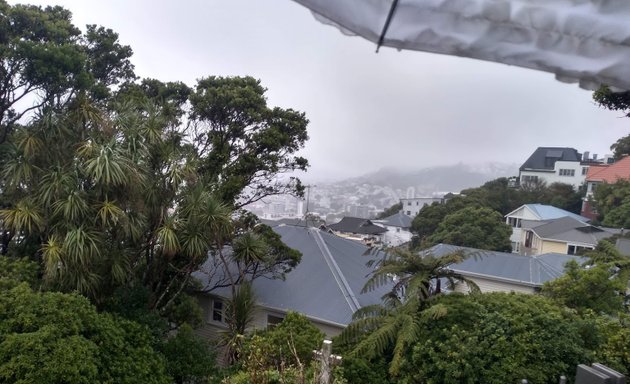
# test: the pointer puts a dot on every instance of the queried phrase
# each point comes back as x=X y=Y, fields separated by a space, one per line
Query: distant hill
x=426 y=181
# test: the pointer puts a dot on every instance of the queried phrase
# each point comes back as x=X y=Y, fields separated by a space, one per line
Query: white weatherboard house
x=554 y=165
x=325 y=286
x=534 y=212
x=494 y=271
x=398 y=228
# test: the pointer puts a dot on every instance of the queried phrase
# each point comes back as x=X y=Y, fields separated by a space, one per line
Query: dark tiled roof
x=511 y=267
x=327 y=283
x=357 y=225
x=546 y=157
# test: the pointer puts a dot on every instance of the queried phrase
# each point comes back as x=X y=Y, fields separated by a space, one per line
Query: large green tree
x=60 y=338
x=47 y=61
x=613 y=203
x=475 y=227
x=498 y=338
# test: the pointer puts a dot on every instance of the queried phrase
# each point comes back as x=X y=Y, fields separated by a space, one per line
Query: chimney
x=594 y=156
x=585 y=156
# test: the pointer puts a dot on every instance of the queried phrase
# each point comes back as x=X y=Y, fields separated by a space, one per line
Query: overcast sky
x=366 y=110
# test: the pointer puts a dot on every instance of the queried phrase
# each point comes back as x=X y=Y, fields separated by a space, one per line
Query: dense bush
x=497 y=338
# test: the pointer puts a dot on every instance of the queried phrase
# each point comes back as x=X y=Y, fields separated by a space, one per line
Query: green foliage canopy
x=479 y=227
x=496 y=338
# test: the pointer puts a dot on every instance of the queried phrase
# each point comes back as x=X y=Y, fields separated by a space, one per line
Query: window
x=408 y=213
x=514 y=222
x=576 y=249
x=584 y=170
x=567 y=172
x=417 y=203
x=409 y=203
x=397 y=229
x=530 y=179
x=217 y=311
x=273 y=321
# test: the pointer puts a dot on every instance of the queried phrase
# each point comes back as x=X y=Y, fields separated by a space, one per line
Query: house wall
x=395 y=235
x=516 y=238
x=212 y=329
x=579 y=173
x=553 y=247
x=411 y=207
x=488 y=285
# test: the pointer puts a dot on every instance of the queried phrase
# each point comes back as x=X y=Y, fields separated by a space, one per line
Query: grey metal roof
x=547 y=212
x=544 y=158
x=570 y=230
x=357 y=225
x=623 y=246
x=397 y=220
x=326 y=285
x=510 y=267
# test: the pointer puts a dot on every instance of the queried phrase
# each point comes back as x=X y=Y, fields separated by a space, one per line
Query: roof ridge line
x=341 y=281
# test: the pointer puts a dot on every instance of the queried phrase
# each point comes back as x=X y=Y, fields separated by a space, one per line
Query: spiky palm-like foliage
x=239 y=313
x=394 y=326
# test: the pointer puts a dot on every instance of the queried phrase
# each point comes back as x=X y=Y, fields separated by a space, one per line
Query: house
x=325 y=286
x=554 y=165
x=566 y=235
x=356 y=228
x=603 y=173
x=494 y=271
x=398 y=228
x=411 y=206
x=534 y=212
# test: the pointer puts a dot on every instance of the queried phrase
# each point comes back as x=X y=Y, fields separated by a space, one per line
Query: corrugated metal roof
x=548 y=212
x=511 y=267
x=326 y=285
x=570 y=230
x=397 y=220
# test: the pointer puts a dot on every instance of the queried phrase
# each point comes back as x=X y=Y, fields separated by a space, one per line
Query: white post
x=324 y=363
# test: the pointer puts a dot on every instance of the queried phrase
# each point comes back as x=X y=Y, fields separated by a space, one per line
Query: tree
x=430 y=216
x=621 y=147
x=415 y=278
x=394 y=209
x=60 y=338
x=46 y=58
x=595 y=289
x=480 y=228
x=614 y=101
x=242 y=143
x=189 y=360
x=613 y=203
x=497 y=338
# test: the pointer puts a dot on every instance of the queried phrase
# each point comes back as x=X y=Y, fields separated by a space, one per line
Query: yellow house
x=565 y=235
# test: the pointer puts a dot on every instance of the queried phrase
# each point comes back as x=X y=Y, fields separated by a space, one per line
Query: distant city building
x=411 y=207
x=362 y=211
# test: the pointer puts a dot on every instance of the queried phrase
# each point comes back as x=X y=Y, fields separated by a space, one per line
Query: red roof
x=610 y=173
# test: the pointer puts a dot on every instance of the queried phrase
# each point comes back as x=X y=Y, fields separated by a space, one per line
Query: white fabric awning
x=584 y=41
